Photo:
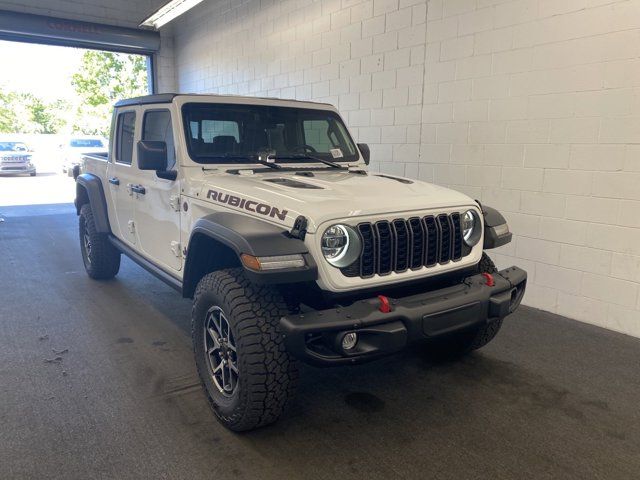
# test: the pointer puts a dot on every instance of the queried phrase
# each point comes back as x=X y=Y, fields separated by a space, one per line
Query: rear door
x=121 y=176
x=158 y=209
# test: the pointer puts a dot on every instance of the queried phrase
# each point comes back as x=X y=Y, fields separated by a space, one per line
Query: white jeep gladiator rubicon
x=263 y=212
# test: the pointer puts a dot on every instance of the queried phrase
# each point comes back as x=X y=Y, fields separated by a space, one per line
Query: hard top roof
x=168 y=98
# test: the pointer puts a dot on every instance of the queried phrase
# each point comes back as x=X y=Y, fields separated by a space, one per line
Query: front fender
x=496 y=230
x=89 y=190
x=246 y=235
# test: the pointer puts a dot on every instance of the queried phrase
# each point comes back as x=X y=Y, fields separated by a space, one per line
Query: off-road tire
x=486 y=265
x=267 y=373
x=102 y=262
x=462 y=343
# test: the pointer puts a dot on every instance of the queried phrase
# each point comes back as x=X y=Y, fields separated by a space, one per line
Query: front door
x=157 y=213
x=121 y=176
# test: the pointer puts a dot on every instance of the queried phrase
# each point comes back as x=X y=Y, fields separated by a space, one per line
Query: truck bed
x=103 y=156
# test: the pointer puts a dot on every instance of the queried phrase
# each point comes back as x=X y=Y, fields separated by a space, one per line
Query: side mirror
x=366 y=153
x=152 y=155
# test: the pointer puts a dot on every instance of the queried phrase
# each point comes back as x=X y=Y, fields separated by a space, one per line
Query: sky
x=43 y=70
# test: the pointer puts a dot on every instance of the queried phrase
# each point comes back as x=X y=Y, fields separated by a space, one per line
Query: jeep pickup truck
x=14 y=159
x=264 y=212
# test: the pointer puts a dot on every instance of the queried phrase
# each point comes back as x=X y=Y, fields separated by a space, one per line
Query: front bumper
x=315 y=337
x=13 y=169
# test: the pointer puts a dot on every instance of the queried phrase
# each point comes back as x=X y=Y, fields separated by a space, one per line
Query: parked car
x=73 y=150
x=264 y=212
x=15 y=159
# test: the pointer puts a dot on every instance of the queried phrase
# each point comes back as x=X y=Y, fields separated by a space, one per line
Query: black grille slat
x=433 y=241
x=456 y=251
x=402 y=245
x=405 y=244
x=368 y=258
x=445 y=238
x=417 y=243
x=385 y=247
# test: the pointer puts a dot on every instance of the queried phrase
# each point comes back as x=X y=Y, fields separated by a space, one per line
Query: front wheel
x=101 y=259
x=246 y=373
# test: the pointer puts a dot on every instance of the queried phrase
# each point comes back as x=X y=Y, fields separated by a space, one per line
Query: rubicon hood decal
x=249 y=205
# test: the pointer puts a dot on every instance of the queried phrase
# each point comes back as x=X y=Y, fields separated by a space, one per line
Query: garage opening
x=58 y=83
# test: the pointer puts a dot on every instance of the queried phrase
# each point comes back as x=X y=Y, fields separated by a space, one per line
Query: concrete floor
x=549 y=398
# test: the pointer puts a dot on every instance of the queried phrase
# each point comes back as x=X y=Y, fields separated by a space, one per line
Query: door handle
x=114 y=181
x=138 y=189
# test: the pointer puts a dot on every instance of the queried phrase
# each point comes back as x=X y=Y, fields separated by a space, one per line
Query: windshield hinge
x=176 y=249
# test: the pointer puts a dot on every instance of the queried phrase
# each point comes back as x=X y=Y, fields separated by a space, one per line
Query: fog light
x=349 y=340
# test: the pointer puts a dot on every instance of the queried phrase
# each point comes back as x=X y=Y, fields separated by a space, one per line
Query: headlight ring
x=471 y=227
x=340 y=245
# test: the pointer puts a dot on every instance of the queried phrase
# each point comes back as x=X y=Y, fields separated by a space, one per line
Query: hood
x=326 y=195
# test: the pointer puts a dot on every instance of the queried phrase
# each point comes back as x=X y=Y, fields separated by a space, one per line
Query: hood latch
x=299 y=229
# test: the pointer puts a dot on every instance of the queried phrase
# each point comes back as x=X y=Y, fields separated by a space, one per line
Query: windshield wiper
x=252 y=158
x=310 y=157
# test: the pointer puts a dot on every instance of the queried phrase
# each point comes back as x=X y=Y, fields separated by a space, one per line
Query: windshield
x=86 y=143
x=226 y=133
x=12 y=147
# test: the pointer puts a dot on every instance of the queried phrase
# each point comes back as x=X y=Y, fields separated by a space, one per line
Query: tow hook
x=385 y=306
x=489 y=278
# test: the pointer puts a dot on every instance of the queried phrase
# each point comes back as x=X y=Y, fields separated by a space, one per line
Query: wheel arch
x=206 y=254
x=89 y=190
x=218 y=240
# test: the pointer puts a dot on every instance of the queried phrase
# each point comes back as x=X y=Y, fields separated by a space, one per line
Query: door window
x=125 y=135
x=157 y=127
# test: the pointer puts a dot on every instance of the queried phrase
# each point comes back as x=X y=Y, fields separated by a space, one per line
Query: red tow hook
x=489 y=278
x=385 y=306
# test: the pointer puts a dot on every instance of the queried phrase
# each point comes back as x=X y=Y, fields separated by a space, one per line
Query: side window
x=124 y=139
x=156 y=126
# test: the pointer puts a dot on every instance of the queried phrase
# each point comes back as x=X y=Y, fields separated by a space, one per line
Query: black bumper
x=316 y=337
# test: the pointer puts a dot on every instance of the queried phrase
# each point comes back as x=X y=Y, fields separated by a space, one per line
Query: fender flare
x=496 y=231
x=89 y=189
x=244 y=234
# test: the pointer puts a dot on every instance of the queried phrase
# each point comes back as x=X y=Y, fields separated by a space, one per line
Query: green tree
x=103 y=79
x=8 y=117
x=26 y=113
x=46 y=117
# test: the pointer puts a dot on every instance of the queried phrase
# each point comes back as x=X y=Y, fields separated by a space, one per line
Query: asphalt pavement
x=97 y=380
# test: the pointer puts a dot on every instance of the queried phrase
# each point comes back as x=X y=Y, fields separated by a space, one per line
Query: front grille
x=405 y=244
x=13 y=159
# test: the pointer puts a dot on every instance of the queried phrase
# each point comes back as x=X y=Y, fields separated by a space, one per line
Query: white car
x=264 y=212
x=15 y=159
x=73 y=149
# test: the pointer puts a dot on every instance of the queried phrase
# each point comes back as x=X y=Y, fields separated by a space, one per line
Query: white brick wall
x=366 y=57
x=545 y=96
x=532 y=106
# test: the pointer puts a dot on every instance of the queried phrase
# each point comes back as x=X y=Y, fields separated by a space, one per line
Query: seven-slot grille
x=13 y=159
x=402 y=244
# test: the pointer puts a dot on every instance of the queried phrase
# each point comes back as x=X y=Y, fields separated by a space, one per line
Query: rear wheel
x=247 y=375
x=462 y=343
x=101 y=259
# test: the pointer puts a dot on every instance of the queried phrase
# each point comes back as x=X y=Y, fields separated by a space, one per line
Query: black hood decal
x=248 y=205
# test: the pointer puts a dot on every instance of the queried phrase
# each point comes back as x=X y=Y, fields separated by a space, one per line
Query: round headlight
x=340 y=245
x=470 y=227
